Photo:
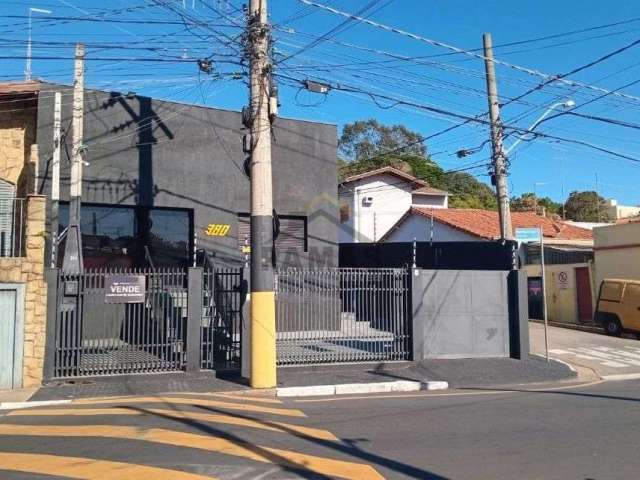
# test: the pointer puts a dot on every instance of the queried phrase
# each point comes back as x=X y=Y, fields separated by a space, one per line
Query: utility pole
x=55 y=175
x=499 y=160
x=72 y=262
x=263 y=318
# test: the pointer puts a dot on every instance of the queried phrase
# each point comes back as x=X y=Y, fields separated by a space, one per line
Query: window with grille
x=293 y=232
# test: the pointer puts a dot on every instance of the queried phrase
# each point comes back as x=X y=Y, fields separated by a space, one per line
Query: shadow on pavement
x=347 y=447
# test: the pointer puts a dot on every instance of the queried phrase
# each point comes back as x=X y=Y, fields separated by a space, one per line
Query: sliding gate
x=343 y=315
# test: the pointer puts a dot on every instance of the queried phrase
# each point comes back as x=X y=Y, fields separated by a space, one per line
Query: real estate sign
x=124 y=289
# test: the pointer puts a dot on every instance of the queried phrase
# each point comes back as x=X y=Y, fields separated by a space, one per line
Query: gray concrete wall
x=460 y=314
x=148 y=152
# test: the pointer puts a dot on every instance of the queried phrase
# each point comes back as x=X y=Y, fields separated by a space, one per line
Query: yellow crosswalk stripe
x=314 y=433
x=88 y=469
x=240 y=398
x=320 y=465
x=221 y=395
x=203 y=402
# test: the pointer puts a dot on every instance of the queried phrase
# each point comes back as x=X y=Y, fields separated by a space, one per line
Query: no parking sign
x=563 y=280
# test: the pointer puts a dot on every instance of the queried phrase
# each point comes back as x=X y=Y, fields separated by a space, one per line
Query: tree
x=527 y=203
x=365 y=138
x=366 y=145
x=586 y=207
x=467 y=192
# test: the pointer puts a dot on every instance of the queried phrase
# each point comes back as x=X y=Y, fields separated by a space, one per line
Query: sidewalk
x=459 y=373
x=147 y=384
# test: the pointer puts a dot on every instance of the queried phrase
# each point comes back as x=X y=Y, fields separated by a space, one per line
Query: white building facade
x=373 y=202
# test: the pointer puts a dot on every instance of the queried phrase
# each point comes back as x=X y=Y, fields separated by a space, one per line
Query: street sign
x=124 y=289
x=528 y=235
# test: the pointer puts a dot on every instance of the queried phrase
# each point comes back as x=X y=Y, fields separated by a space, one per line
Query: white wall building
x=372 y=202
x=616 y=211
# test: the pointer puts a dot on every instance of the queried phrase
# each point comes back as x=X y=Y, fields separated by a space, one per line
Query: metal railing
x=13 y=216
x=220 y=335
x=342 y=315
x=98 y=338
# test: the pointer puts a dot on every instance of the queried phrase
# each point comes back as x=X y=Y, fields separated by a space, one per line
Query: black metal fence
x=223 y=291
x=93 y=337
x=343 y=315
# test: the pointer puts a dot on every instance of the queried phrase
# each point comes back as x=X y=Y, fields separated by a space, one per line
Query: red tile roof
x=485 y=223
x=19 y=87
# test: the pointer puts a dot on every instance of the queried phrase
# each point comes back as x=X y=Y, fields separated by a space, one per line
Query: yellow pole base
x=263 y=340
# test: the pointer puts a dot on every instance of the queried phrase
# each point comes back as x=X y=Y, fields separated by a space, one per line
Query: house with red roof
x=470 y=225
x=373 y=202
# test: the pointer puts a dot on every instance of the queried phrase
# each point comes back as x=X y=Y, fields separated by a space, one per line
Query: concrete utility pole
x=499 y=160
x=55 y=175
x=263 y=318
x=72 y=262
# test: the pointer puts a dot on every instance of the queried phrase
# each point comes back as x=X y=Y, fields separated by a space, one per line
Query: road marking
x=228 y=396
x=321 y=465
x=605 y=356
x=88 y=469
x=312 y=433
x=622 y=376
x=197 y=402
x=614 y=364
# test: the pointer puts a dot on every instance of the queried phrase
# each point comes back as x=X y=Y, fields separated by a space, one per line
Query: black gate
x=97 y=337
x=223 y=296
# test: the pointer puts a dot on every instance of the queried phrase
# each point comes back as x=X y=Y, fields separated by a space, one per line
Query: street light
x=566 y=104
x=27 y=72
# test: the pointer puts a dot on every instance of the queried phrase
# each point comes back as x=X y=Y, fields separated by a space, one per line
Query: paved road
x=606 y=355
x=582 y=433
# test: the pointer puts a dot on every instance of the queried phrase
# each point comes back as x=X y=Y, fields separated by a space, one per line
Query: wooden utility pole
x=263 y=320
x=72 y=262
x=55 y=175
x=499 y=160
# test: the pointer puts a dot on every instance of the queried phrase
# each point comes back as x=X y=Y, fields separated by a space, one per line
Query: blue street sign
x=527 y=235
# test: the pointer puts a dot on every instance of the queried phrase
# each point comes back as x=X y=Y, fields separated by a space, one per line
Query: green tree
x=366 y=145
x=366 y=138
x=468 y=192
x=527 y=203
x=586 y=207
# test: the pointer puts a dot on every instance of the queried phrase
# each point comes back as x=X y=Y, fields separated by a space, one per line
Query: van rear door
x=631 y=306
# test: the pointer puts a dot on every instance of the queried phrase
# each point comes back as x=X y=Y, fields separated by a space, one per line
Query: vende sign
x=124 y=289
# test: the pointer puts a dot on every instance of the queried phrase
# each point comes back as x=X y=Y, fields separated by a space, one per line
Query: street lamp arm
x=542 y=118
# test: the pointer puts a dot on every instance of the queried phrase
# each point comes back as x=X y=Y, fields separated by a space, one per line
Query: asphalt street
x=587 y=432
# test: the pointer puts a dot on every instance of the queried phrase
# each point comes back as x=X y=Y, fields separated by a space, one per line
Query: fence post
x=518 y=314
x=51 y=278
x=194 y=319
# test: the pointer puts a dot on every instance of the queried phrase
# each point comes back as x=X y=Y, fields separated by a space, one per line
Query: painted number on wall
x=217 y=229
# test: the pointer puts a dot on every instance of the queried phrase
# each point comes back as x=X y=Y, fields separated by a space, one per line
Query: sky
x=151 y=47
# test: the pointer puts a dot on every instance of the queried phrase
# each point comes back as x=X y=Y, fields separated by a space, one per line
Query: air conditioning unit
x=367 y=200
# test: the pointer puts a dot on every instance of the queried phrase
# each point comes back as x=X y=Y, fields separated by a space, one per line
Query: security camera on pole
x=263 y=319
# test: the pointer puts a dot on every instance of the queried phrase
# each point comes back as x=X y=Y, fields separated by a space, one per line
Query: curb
x=359 y=388
x=43 y=403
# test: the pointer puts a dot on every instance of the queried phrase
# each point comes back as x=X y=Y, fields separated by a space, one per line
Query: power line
x=440 y=44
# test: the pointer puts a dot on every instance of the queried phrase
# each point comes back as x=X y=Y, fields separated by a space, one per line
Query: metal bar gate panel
x=94 y=337
x=342 y=315
x=222 y=318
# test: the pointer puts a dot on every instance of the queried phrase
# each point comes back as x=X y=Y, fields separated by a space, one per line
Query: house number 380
x=217 y=230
